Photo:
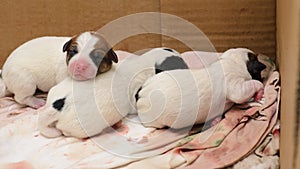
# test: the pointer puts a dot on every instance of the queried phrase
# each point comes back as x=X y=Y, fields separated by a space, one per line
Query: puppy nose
x=80 y=67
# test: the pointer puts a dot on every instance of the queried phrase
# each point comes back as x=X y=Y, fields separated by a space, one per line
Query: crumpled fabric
x=265 y=156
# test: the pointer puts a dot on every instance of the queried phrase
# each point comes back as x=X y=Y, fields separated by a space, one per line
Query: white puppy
x=181 y=98
x=41 y=63
x=81 y=108
x=84 y=108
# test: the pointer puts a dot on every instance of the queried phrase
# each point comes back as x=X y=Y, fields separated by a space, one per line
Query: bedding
x=246 y=136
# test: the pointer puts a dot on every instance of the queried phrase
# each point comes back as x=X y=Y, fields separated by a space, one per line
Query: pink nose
x=80 y=67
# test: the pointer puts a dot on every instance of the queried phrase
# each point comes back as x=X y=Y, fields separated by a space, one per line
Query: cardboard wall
x=288 y=38
x=22 y=20
x=230 y=23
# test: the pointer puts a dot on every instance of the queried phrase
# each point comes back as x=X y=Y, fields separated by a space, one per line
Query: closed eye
x=73 y=50
x=97 y=56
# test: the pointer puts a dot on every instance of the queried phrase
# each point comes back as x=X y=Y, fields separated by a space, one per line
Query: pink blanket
x=234 y=137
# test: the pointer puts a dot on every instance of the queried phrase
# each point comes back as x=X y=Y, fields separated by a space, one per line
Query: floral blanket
x=244 y=130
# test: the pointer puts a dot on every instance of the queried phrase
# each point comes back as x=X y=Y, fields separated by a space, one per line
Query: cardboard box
x=265 y=26
x=288 y=52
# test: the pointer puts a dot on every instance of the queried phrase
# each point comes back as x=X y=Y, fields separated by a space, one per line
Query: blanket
x=242 y=131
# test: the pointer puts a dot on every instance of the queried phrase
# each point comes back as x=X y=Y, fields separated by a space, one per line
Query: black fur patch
x=255 y=67
x=59 y=104
x=171 y=63
x=67 y=45
x=168 y=49
x=137 y=94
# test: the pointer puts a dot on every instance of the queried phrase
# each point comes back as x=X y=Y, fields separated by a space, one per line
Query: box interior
x=266 y=26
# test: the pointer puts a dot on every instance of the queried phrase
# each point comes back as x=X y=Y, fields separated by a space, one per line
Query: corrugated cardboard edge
x=298 y=105
x=288 y=56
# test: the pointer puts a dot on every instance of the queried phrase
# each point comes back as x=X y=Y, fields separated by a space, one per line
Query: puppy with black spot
x=43 y=62
x=85 y=108
x=139 y=69
x=182 y=98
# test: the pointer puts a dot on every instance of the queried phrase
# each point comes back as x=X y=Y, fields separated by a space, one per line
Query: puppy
x=41 y=63
x=84 y=108
x=181 y=98
x=81 y=108
x=139 y=69
x=88 y=55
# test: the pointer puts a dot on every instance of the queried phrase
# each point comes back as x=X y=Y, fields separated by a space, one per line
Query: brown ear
x=67 y=45
x=104 y=67
x=112 y=56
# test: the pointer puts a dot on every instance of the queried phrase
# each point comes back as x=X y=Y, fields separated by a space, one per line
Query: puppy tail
x=3 y=89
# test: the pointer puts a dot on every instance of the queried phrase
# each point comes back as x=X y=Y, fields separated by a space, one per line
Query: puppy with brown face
x=41 y=63
x=88 y=55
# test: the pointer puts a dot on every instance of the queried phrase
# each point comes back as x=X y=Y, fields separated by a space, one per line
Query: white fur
x=40 y=63
x=37 y=63
x=3 y=90
x=86 y=43
x=138 y=69
x=89 y=108
x=95 y=105
x=181 y=98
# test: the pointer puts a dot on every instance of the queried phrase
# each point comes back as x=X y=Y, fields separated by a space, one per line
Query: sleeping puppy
x=139 y=69
x=84 y=108
x=181 y=98
x=41 y=63
x=80 y=108
x=88 y=55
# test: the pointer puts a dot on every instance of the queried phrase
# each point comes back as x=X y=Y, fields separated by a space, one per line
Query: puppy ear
x=104 y=66
x=67 y=45
x=260 y=66
x=252 y=56
x=255 y=64
x=112 y=56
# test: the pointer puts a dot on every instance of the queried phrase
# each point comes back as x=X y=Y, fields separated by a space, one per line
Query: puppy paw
x=51 y=132
x=257 y=85
x=36 y=103
x=30 y=101
x=259 y=95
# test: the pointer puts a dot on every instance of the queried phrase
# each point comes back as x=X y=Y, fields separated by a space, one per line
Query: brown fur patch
x=69 y=47
x=104 y=66
x=109 y=57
